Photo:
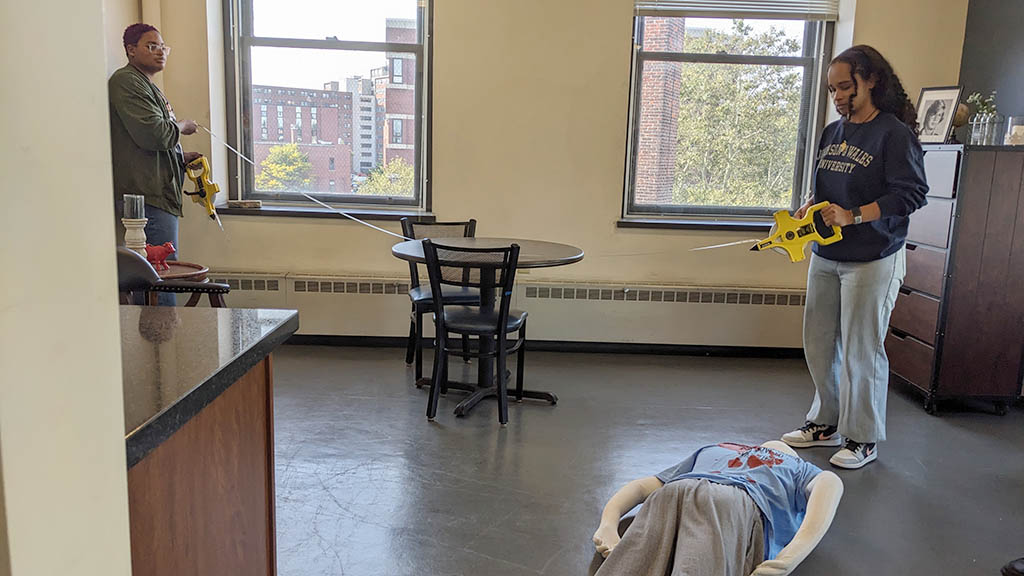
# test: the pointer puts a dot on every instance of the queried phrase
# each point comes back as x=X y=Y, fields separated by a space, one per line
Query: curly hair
x=133 y=33
x=888 y=94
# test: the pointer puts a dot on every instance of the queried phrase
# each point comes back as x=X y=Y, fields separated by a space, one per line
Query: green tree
x=395 y=178
x=738 y=123
x=286 y=168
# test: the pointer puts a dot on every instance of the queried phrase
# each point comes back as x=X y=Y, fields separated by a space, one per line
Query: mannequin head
x=780 y=446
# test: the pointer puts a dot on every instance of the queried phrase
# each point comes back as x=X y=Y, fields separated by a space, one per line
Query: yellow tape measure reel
x=790 y=236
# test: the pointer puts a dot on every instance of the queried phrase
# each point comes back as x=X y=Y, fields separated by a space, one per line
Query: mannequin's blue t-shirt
x=775 y=481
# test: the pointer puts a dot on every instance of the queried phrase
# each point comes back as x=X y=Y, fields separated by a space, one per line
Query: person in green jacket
x=144 y=138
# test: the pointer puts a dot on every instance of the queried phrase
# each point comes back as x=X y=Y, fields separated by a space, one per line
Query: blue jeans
x=161 y=227
x=845 y=321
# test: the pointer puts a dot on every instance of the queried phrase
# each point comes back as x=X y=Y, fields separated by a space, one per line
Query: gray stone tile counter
x=175 y=361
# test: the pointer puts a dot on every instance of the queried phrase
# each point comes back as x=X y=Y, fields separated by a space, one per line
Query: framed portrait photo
x=935 y=110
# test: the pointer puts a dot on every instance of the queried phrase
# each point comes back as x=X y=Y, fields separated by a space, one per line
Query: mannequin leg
x=645 y=549
x=722 y=532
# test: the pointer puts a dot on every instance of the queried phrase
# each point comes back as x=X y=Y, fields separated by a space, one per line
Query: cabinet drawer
x=915 y=314
x=925 y=269
x=930 y=225
x=910 y=359
x=940 y=172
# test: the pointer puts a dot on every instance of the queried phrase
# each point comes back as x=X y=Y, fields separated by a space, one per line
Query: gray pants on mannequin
x=845 y=321
x=691 y=527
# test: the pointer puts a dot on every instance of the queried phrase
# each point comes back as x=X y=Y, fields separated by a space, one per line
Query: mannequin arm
x=825 y=492
x=607 y=535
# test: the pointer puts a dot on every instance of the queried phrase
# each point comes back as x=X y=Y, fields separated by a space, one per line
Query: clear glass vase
x=994 y=130
x=977 y=124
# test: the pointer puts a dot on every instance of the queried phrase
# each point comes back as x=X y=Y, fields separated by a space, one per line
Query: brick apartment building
x=367 y=122
x=319 y=121
x=659 y=117
x=345 y=134
x=395 y=88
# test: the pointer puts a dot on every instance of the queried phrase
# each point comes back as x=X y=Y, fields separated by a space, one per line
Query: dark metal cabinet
x=957 y=330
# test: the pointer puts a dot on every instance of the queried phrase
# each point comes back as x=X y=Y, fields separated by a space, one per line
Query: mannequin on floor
x=727 y=509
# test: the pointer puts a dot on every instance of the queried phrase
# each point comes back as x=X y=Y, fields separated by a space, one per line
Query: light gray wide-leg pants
x=845 y=322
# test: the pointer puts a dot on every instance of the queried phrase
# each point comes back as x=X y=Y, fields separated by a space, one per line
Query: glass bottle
x=995 y=132
x=977 y=123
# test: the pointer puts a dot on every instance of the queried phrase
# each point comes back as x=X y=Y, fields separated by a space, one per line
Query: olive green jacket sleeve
x=146 y=154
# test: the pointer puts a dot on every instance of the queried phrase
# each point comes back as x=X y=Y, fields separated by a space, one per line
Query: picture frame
x=936 y=108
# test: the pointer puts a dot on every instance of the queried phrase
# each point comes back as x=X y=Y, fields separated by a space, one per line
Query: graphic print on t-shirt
x=842 y=158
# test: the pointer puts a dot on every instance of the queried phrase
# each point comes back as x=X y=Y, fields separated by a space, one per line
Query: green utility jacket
x=147 y=157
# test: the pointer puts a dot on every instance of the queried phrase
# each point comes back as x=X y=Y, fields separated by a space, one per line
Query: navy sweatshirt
x=877 y=161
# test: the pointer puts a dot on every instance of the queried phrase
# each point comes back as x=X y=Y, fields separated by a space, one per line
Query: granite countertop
x=175 y=361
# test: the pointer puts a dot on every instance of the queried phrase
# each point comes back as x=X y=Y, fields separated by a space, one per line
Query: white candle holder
x=135 y=234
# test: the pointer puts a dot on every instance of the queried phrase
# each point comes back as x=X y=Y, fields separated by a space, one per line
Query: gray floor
x=366 y=486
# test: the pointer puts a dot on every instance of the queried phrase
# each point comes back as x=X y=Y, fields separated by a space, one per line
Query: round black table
x=532 y=254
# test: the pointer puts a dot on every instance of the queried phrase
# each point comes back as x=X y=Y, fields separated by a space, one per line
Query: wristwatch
x=857 y=219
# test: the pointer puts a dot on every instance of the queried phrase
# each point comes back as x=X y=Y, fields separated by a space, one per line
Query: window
x=396 y=70
x=396 y=131
x=293 y=60
x=724 y=109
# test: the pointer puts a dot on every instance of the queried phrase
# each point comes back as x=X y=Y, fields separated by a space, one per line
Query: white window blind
x=777 y=9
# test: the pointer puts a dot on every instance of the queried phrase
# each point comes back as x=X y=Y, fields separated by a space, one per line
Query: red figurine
x=157 y=255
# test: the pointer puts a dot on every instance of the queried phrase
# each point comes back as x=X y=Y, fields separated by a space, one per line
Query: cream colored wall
x=117 y=15
x=922 y=39
x=5 y=557
x=62 y=444
x=529 y=138
x=530 y=117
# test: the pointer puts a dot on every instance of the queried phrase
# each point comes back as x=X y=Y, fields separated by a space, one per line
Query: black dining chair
x=490 y=270
x=422 y=297
x=136 y=275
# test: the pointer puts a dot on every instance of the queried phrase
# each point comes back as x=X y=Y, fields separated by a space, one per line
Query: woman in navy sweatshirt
x=870 y=167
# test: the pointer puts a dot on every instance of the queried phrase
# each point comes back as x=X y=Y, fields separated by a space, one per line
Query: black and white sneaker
x=854 y=455
x=811 y=434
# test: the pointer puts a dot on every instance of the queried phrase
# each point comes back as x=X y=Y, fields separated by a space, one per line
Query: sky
x=358 y=20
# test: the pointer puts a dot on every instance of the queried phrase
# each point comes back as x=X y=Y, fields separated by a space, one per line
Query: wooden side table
x=193 y=273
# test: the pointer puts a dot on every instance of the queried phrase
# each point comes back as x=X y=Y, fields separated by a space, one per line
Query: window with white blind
x=727 y=99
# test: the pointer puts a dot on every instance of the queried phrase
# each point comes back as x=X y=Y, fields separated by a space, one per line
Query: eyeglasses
x=155 y=48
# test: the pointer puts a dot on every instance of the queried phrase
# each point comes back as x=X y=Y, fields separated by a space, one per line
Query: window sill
x=725 y=225
x=319 y=212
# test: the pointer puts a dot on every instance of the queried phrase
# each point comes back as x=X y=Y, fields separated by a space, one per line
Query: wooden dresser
x=957 y=330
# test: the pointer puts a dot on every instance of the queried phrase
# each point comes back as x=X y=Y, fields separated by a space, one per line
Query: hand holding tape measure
x=790 y=235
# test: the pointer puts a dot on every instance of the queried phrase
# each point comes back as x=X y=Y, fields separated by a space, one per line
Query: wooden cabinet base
x=202 y=503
